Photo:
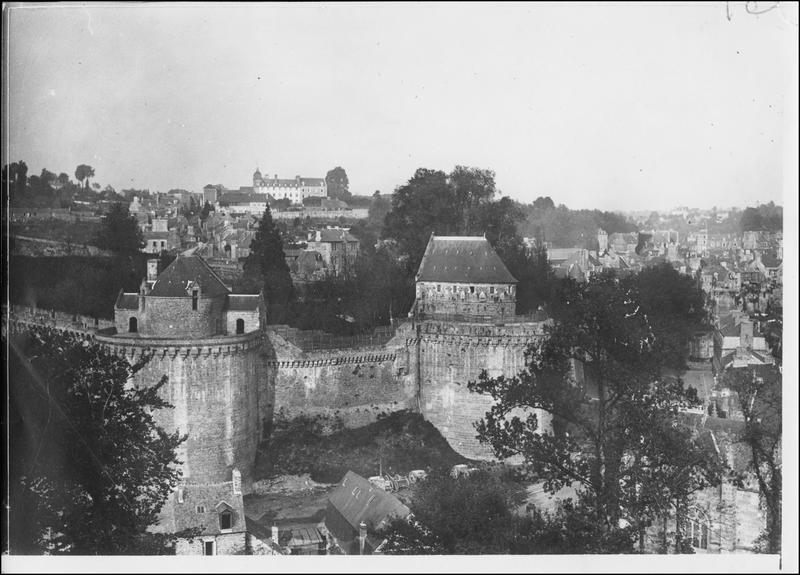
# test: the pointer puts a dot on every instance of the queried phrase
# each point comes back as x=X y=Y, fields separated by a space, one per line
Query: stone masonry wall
x=451 y=355
x=352 y=385
x=167 y=317
x=213 y=386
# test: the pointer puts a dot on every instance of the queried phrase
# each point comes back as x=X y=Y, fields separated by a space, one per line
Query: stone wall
x=353 y=386
x=497 y=300
x=213 y=385
x=450 y=356
x=168 y=317
x=252 y=320
x=224 y=544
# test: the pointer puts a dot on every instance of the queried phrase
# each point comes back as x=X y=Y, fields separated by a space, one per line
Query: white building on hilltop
x=295 y=190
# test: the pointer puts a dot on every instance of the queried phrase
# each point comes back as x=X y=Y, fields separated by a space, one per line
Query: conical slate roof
x=462 y=259
x=174 y=281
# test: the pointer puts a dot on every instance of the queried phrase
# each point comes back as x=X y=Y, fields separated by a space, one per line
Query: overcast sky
x=613 y=107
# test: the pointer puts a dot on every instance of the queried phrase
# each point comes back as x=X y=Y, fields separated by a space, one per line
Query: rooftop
x=462 y=259
x=174 y=280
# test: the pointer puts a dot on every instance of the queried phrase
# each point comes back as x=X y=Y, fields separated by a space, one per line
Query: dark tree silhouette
x=120 y=232
x=91 y=468
x=337 y=183
x=82 y=173
x=266 y=268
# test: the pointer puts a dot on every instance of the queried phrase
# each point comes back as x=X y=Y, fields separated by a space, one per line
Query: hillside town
x=461 y=281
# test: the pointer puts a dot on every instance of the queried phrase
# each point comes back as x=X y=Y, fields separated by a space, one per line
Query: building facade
x=463 y=276
x=296 y=189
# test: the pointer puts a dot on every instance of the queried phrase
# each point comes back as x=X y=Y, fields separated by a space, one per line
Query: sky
x=615 y=107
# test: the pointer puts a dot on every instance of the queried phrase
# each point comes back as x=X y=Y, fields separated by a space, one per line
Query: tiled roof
x=332 y=236
x=462 y=259
x=242 y=302
x=556 y=255
x=243 y=196
x=357 y=500
x=172 y=282
x=127 y=301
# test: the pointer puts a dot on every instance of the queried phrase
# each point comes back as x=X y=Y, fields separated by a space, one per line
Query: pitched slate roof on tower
x=462 y=259
x=172 y=282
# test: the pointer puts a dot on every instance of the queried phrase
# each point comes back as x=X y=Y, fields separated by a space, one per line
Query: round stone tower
x=209 y=344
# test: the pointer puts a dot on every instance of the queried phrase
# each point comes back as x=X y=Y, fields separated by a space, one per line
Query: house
x=737 y=343
x=191 y=290
x=623 y=243
x=302 y=538
x=338 y=247
x=217 y=512
x=464 y=276
x=357 y=511
x=727 y=518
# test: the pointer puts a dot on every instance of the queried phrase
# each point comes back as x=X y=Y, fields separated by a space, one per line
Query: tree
x=91 y=468
x=120 y=232
x=466 y=515
x=761 y=399
x=266 y=268
x=615 y=432
x=47 y=177
x=207 y=209
x=751 y=220
x=543 y=203
x=456 y=204
x=425 y=204
x=63 y=178
x=84 y=172
x=337 y=183
x=15 y=179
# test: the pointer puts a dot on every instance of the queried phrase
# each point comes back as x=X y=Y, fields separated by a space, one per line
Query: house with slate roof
x=463 y=276
x=187 y=300
x=337 y=246
x=357 y=511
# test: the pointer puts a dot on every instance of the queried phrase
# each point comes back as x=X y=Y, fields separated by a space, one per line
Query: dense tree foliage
x=90 y=467
x=461 y=203
x=766 y=217
x=615 y=433
x=15 y=178
x=74 y=284
x=761 y=397
x=466 y=515
x=337 y=183
x=562 y=227
x=120 y=232
x=266 y=268
x=478 y=514
x=83 y=173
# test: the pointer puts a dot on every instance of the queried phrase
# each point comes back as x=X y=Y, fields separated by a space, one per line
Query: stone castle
x=229 y=373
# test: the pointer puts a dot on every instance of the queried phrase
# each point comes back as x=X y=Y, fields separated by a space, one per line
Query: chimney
x=236 y=476
x=275 y=535
x=362 y=537
x=152 y=270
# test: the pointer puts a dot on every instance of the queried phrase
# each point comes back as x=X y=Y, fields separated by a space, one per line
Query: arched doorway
x=133 y=325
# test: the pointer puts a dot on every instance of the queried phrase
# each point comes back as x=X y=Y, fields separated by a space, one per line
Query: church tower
x=258 y=181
